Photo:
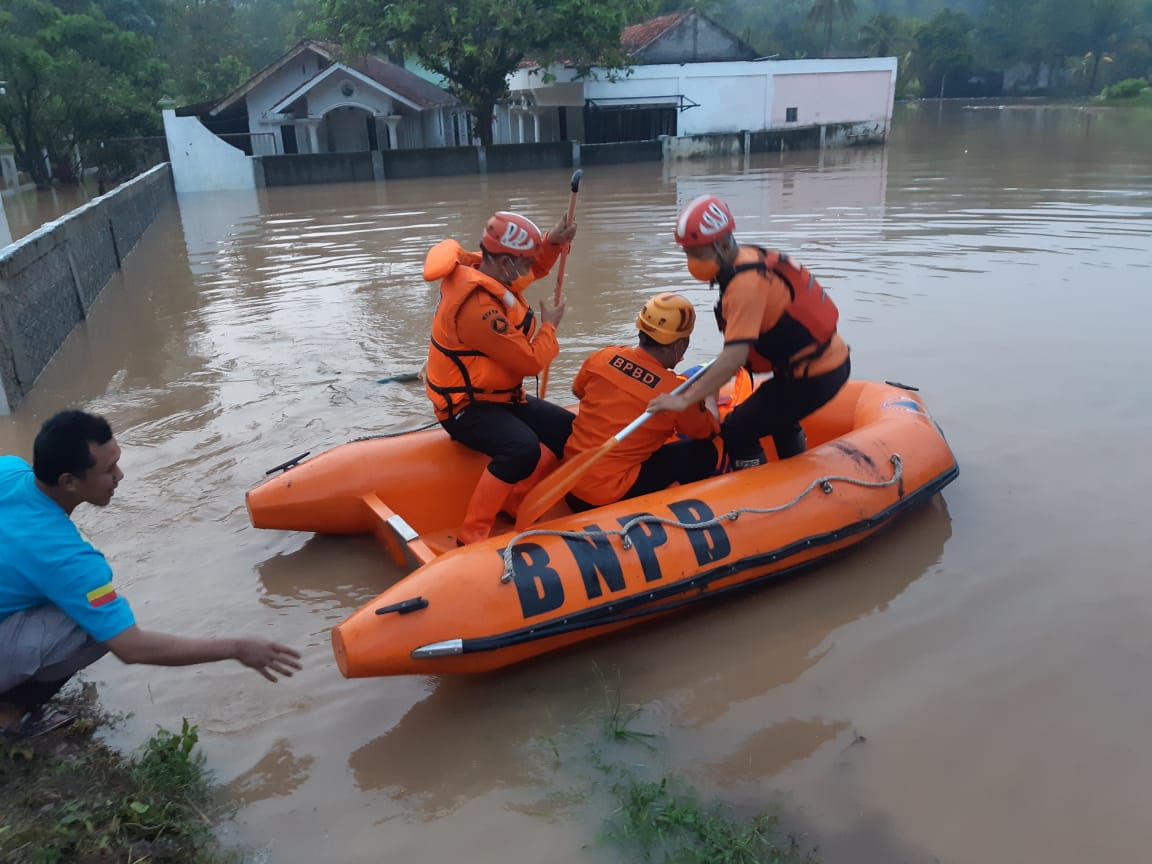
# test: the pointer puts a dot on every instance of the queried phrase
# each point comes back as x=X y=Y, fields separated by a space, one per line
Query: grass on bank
x=68 y=797
x=666 y=820
x=657 y=817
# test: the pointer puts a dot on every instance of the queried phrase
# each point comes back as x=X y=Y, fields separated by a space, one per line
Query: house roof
x=636 y=38
x=277 y=64
x=411 y=88
x=407 y=84
x=640 y=36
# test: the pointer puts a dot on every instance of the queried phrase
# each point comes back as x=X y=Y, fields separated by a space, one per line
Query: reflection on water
x=982 y=657
x=450 y=747
x=25 y=210
x=5 y=228
x=279 y=772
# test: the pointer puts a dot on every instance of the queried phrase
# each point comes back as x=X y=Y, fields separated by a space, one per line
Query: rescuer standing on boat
x=775 y=318
x=485 y=341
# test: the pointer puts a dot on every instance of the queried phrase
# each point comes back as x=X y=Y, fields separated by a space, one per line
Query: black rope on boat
x=669 y=597
x=397 y=434
x=824 y=483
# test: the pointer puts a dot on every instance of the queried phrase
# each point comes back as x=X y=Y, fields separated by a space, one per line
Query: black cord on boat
x=401 y=432
x=284 y=466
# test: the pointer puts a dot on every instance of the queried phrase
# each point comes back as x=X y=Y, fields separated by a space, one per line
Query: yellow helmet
x=667 y=317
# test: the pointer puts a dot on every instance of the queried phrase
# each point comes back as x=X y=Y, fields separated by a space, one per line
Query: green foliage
x=69 y=798
x=70 y=78
x=1129 y=88
x=885 y=35
x=943 y=49
x=825 y=12
x=665 y=820
x=476 y=44
x=653 y=814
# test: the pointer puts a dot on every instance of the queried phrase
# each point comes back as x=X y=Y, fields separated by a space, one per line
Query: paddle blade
x=403 y=377
x=559 y=483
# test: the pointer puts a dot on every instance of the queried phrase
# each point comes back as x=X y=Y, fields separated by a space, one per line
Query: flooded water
x=971 y=686
x=25 y=210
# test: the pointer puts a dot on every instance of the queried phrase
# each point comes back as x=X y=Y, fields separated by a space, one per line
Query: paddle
x=576 y=175
x=402 y=378
x=553 y=487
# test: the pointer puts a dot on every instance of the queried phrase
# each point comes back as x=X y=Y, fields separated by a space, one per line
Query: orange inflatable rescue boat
x=874 y=453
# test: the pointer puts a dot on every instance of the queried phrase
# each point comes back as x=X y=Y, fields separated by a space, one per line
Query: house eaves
x=335 y=68
x=269 y=70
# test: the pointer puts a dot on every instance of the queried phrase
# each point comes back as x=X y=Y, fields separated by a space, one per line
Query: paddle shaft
x=555 y=486
x=646 y=416
x=576 y=175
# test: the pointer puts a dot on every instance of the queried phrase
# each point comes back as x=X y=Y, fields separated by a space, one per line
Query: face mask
x=515 y=281
x=704 y=269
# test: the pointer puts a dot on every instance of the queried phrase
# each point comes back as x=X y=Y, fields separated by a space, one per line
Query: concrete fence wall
x=50 y=278
x=294 y=170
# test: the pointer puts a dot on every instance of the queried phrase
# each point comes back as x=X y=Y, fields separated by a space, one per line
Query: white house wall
x=723 y=106
x=201 y=161
x=434 y=127
x=736 y=95
x=326 y=96
x=832 y=97
x=270 y=91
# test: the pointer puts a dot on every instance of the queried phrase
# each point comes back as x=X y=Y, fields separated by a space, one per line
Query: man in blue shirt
x=59 y=610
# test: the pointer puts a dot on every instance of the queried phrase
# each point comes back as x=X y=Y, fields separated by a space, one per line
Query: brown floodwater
x=23 y=211
x=973 y=685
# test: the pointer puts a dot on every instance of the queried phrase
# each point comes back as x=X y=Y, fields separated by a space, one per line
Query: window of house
x=790 y=115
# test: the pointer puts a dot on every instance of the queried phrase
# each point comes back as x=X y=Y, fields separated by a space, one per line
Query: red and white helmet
x=704 y=221
x=512 y=234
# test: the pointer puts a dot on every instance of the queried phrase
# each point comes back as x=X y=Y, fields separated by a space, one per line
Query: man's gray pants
x=42 y=645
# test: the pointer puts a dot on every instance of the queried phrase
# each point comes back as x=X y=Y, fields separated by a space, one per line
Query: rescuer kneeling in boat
x=614 y=385
x=485 y=341
x=775 y=318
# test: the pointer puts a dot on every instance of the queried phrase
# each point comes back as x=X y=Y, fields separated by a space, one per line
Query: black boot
x=791 y=443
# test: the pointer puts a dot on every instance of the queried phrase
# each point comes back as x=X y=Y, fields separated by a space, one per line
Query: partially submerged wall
x=306 y=168
x=50 y=278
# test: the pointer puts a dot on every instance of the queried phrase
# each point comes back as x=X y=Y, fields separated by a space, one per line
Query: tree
x=1106 y=23
x=1008 y=32
x=943 y=48
x=477 y=44
x=884 y=35
x=71 y=78
x=826 y=12
x=203 y=45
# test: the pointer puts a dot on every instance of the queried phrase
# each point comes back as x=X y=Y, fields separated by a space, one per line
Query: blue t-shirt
x=45 y=559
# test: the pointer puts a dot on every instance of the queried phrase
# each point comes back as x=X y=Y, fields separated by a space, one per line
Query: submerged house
x=312 y=100
x=692 y=77
x=318 y=115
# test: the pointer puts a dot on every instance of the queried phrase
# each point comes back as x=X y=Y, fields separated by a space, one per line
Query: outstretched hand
x=268 y=657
